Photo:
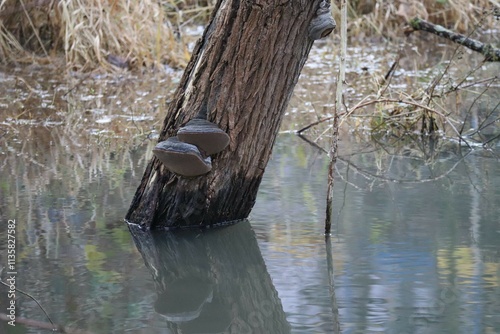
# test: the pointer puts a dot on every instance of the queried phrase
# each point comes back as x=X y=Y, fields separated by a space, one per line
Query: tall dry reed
x=136 y=31
x=385 y=17
x=97 y=33
x=91 y=34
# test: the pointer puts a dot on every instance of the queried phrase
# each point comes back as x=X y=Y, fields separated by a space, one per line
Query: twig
x=402 y=181
x=44 y=325
x=339 y=99
x=322 y=120
x=33 y=298
x=458 y=86
x=490 y=53
x=85 y=77
x=476 y=99
x=492 y=139
x=391 y=100
x=372 y=176
x=389 y=75
x=310 y=142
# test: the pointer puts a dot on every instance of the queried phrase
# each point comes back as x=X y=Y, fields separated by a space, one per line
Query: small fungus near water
x=182 y=158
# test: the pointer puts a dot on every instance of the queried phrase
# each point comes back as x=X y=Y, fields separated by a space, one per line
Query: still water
x=415 y=246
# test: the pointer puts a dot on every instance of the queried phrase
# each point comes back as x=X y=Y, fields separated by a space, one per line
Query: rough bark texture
x=244 y=68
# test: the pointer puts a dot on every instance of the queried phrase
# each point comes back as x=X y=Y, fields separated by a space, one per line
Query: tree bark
x=243 y=69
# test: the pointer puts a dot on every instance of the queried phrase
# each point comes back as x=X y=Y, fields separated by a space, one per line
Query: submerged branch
x=491 y=53
x=43 y=325
x=379 y=177
x=390 y=100
x=423 y=107
x=54 y=327
x=375 y=176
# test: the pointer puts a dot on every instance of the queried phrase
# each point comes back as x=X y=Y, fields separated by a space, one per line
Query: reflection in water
x=415 y=247
x=212 y=282
x=406 y=256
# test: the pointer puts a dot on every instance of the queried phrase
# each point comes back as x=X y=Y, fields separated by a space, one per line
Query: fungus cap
x=204 y=134
x=182 y=158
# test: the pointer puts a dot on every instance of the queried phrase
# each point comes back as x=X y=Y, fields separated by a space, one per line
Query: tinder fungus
x=209 y=138
x=323 y=23
x=182 y=158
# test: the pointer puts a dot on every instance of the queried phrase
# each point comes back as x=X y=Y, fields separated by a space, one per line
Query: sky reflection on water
x=408 y=258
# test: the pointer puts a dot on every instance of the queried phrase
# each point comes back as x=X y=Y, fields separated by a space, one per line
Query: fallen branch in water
x=31 y=323
x=36 y=323
x=490 y=53
x=43 y=325
x=32 y=298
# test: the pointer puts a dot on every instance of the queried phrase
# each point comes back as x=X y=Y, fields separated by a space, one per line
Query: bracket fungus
x=209 y=138
x=323 y=22
x=188 y=153
x=182 y=158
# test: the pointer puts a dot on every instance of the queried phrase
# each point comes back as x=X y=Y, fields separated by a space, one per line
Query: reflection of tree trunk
x=475 y=220
x=243 y=70
x=216 y=281
x=331 y=281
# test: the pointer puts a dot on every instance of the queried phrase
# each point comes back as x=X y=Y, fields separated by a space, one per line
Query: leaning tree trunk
x=243 y=71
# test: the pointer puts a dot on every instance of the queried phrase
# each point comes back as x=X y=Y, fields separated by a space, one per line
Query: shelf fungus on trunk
x=182 y=158
x=209 y=138
x=323 y=23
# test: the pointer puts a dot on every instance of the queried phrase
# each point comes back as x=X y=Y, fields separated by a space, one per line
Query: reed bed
x=385 y=18
x=98 y=33
x=91 y=34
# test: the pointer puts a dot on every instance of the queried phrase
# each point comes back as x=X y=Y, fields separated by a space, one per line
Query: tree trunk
x=243 y=70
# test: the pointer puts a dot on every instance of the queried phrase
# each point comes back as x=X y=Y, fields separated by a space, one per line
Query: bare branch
x=491 y=53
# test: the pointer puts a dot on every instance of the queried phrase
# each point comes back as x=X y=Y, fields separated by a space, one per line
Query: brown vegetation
x=386 y=17
x=90 y=33
x=130 y=34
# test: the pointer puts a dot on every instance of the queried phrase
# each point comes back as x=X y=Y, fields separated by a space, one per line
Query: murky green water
x=415 y=248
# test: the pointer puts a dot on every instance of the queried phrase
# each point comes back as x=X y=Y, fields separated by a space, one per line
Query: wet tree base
x=245 y=93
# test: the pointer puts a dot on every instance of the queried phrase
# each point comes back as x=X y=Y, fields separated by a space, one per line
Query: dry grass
x=134 y=31
x=92 y=34
x=386 y=17
x=131 y=34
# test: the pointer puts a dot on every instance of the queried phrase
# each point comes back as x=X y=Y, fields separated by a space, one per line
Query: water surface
x=415 y=248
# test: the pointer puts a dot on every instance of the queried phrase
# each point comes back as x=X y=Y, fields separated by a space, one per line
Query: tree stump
x=242 y=74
